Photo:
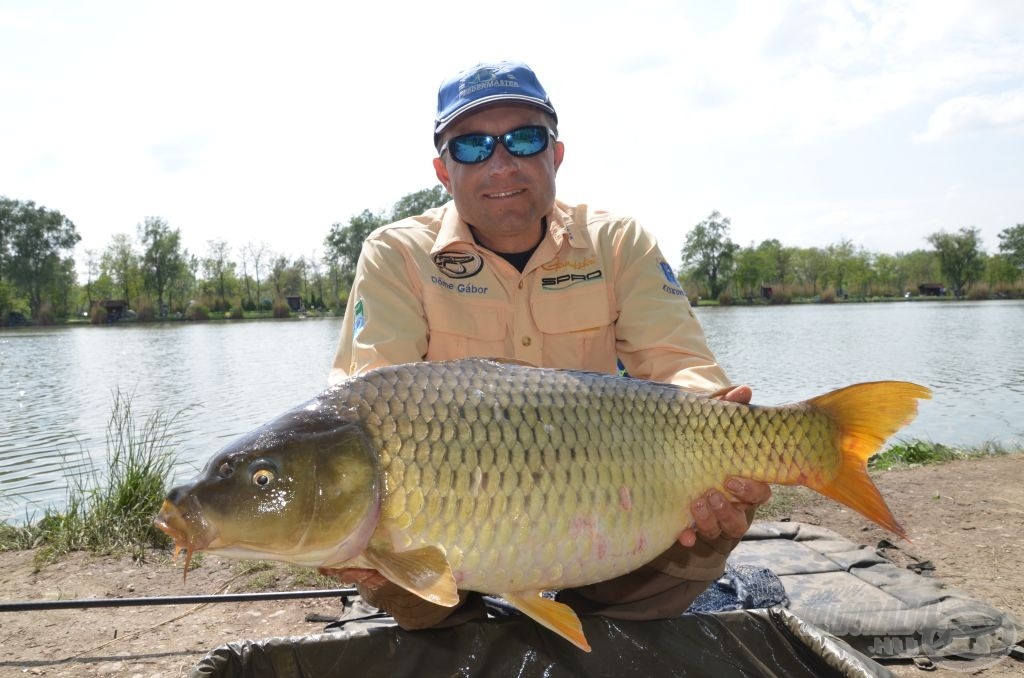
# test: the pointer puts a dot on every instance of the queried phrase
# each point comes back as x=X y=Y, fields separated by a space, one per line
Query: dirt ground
x=964 y=517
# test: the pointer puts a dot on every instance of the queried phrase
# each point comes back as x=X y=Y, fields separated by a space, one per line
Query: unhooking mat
x=882 y=610
x=845 y=604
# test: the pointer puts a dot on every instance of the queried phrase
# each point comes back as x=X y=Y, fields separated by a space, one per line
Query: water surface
x=57 y=384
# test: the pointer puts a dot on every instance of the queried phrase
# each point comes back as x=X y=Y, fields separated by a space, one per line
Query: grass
x=920 y=453
x=109 y=510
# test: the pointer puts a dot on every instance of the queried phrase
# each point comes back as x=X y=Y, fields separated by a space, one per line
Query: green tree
x=218 y=269
x=419 y=202
x=809 y=268
x=841 y=264
x=121 y=262
x=1000 y=273
x=256 y=254
x=345 y=241
x=960 y=257
x=34 y=241
x=279 y=275
x=1011 y=243
x=917 y=267
x=7 y=213
x=163 y=259
x=708 y=253
x=747 y=272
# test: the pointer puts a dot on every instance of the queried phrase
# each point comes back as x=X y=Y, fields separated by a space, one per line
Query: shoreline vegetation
x=109 y=510
x=282 y=311
x=154 y=277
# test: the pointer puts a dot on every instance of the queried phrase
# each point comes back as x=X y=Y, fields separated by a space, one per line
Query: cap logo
x=484 y=78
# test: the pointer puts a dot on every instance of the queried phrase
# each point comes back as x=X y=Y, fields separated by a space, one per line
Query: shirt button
x=520 y=284
x=527 y=341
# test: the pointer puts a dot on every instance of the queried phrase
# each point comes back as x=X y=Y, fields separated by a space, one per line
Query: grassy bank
x=110 y=508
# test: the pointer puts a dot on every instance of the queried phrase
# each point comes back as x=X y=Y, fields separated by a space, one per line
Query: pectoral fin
x=425 y=572
x=551 y=614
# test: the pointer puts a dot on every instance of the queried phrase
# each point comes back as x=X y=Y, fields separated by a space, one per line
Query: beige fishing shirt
x=596 y=289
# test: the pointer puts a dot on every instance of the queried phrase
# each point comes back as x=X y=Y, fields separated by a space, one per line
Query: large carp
x=512 y=480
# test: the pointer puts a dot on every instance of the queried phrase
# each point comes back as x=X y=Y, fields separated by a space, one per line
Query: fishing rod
x=82 y=603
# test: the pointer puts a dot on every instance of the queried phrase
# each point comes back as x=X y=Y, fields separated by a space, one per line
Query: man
x=506 y=270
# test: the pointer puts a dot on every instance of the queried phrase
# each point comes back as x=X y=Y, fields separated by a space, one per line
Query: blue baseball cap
x=488 y=83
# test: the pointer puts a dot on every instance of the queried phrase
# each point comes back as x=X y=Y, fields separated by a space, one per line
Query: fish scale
x=508 y=479
x=547 y=463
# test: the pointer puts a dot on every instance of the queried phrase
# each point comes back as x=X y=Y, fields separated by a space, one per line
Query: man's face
x=503 y=197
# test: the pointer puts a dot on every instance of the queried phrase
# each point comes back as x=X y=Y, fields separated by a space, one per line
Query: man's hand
x=714 y=515
x=356 y=576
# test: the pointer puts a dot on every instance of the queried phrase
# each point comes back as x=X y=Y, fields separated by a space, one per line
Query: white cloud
x=973 y=114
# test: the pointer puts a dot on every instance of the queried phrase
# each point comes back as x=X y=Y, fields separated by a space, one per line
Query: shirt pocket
x=461 y=327
x=578 y=328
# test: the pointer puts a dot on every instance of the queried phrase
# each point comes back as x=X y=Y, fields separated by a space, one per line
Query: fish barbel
x=512 y=480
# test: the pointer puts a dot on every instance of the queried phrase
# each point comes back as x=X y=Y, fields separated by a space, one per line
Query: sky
x=256 y=122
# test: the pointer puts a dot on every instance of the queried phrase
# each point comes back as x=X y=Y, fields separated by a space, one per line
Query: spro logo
x=569 y=279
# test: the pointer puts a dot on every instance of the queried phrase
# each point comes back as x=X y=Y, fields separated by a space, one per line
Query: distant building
x=931 y=290
x=116 y=308
x=294 y=303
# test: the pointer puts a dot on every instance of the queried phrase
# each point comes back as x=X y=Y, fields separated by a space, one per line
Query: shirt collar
x=562 y=228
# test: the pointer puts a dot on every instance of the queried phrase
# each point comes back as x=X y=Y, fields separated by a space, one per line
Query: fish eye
x=262 y=477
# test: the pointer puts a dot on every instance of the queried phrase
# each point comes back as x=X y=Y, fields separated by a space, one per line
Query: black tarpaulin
x=766 y=642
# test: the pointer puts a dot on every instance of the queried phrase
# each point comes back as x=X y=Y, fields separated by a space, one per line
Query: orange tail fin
x=866 y=414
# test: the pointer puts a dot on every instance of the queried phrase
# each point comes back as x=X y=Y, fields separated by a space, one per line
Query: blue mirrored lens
x=471 y=148
x=525 y=141
x=521 y=142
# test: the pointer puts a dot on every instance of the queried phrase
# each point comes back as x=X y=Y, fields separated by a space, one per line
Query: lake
x=57 y=384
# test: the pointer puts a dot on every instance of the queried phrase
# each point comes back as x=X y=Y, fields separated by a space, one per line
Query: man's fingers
x=355 y=576
x=740 y=394
x=705 y=521
x=745 y=491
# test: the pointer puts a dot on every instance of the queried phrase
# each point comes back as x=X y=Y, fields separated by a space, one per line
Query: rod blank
x=82 y=603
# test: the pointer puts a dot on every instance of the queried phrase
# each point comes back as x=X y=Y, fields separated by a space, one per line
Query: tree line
x=715 y=267
x=154 y=275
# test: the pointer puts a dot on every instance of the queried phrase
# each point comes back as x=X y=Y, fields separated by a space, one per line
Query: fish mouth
x=173 y=522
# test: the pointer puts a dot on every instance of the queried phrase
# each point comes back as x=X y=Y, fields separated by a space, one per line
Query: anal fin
x=551 y=614
x=424 y=571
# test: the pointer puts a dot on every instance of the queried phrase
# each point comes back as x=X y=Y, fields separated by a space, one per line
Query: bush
x=236 y=312
x=146 y=312
x=197 y=312
x=45 y=315
x=725 y=299
x=281 y=308
x=827 y=297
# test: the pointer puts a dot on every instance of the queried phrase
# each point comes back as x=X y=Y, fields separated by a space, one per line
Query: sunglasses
x=521 y=142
